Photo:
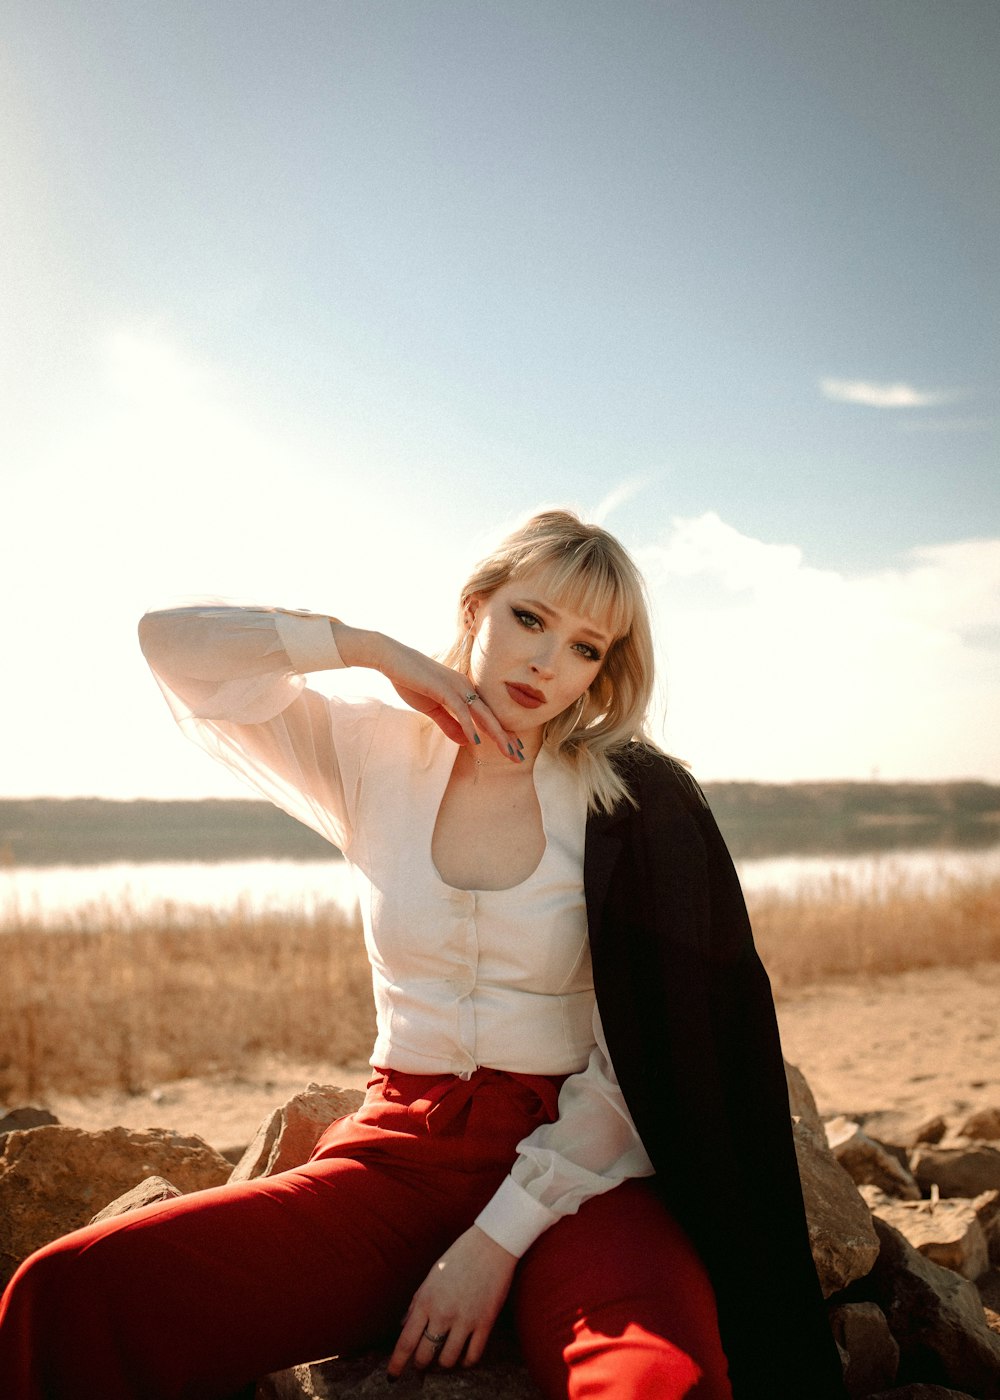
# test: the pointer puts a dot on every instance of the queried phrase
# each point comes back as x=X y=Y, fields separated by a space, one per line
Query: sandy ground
x=894 y=1051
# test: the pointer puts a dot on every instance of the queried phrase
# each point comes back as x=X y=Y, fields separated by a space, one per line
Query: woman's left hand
x=459 y=1299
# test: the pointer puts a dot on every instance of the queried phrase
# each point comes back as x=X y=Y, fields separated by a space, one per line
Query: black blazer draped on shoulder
x=689 y=1018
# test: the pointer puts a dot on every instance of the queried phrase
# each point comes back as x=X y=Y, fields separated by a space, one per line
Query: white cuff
x=308 y=640
x=513 y=1219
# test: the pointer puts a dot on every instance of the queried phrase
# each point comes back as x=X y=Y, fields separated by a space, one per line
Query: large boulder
x=922 y=1392
x=287 y=1136
x=983 y=1124
x=843 y=1241
x=800 y=1099
x=16 y=1120
x=932 y=1130
x=870 y=1350
x=948 y=1230
x=500 y=1376
x=957 y=1171
x=53 y=1179
x=149 y=1192
x=987 y=1208
x=936 y=1317
x=867 y=1162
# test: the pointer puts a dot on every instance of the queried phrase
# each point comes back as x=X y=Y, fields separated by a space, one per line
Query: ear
x=470 y=610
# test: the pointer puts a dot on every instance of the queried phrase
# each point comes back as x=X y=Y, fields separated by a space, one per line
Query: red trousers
x=195 y=1298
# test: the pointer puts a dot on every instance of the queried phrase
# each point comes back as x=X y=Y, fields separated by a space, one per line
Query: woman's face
x=532 y=659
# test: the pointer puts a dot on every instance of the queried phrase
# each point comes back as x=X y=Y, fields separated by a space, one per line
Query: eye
x=586 y=650
x=527 y=619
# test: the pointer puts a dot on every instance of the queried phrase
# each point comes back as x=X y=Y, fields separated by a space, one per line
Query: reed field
x=126 y=1000
x=835 y=928
x=119 y=999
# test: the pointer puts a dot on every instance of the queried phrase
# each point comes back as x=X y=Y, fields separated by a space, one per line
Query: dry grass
x=125 y=1000
x=836 y=928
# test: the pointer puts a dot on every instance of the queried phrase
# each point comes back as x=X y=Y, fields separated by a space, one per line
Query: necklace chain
x=481 y=764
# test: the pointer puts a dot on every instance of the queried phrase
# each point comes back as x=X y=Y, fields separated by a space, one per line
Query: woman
x=517 y=844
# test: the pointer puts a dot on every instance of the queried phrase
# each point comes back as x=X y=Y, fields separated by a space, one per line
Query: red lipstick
x=524 y=695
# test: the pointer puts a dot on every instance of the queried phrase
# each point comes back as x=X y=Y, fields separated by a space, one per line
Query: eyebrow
x=600 y=637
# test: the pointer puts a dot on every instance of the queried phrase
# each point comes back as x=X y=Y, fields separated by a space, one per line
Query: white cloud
x=616 y=498
x=163 y=481
x=873 y=395
x=779 y=670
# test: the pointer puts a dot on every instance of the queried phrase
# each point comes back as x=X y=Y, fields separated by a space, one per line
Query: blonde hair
x=588 y=571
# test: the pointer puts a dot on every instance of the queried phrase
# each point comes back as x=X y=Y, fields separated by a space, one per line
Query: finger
x=407 y=1344
x=451 y=1352
x=476 y=1346
x=487 y=724
x=450 y=726
x=469 y=711
x=427 y=1353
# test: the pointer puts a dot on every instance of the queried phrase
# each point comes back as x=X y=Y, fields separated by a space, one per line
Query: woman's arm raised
x=234 y=678
x=446 y=696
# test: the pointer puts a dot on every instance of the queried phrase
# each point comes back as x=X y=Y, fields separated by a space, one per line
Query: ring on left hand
x=468 y=700
x=436 y=1339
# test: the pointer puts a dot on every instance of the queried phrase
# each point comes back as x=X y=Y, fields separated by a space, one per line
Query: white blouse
x=461 y=978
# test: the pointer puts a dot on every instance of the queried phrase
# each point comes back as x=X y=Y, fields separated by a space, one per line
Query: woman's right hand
x=425 y=685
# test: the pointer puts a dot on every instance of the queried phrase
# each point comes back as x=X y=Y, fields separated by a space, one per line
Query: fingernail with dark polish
x=476 y=740
x=510 y=750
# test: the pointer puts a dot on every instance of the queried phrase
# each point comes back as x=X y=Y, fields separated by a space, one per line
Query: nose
x=543 y=663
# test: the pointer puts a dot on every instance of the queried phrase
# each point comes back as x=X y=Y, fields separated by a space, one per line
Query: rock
x=987 y=1208
x=147 y=1193
x=947 y=1231
x=286 y=1138
x=53 y=1178
x=935 y=1316
x=922 y=1392
x=898 y=1153
x=957 y=1171
x=17 y=1120
x=989 y=1290
x=984 y=1125
x=843 y=1241
x=932 y=1131
x=497 y=1377
x=871 y=1351
x=867 y=1162
x=800 y=1099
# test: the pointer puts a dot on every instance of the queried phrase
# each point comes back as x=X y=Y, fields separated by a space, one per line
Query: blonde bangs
x=584 y=581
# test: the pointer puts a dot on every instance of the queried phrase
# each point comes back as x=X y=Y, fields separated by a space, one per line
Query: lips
x=524 y=695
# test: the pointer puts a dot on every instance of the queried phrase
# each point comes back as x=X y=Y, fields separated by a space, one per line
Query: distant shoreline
x=758 y=819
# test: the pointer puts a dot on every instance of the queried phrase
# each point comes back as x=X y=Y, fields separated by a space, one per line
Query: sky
x=305 y=302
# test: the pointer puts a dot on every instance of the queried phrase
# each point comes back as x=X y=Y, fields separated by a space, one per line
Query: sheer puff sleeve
x=591 y=1147
x=234 y=680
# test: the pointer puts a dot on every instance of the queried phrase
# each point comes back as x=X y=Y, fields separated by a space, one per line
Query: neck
x=475 y=762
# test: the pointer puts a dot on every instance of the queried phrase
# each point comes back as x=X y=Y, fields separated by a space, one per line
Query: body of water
x=54 y=894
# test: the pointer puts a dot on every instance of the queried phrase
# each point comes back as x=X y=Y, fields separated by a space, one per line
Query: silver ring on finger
x=470 y=697
x=436 y=1339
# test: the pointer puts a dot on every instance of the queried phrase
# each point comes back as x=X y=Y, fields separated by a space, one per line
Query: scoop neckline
x=541 y=758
